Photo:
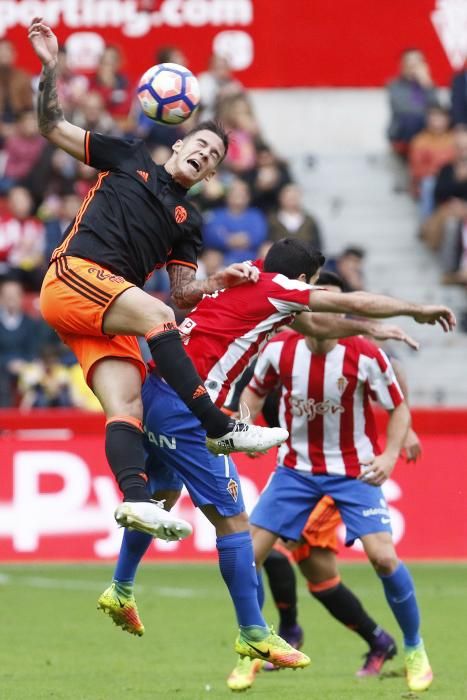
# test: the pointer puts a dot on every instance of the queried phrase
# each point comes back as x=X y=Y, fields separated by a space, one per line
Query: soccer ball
x=168 y=93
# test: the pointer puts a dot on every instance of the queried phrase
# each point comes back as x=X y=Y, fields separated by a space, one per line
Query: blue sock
x=400 y=594
x=236 y=563
x=134 y=546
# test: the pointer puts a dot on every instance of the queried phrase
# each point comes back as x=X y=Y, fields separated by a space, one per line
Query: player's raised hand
x=412 y=448
x=386 y=331
x=43 y=41
x=436 y=314
x=239 y=273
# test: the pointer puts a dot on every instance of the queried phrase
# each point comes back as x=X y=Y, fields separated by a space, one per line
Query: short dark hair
x=411 y=49
x=292 y=257
x=438 y=107
x=216 y=127
x=164 y=54
x=353 y=250
x=330 y=279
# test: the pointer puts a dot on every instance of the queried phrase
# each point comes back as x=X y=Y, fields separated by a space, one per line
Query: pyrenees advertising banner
x=57 y=494
x=270 y=43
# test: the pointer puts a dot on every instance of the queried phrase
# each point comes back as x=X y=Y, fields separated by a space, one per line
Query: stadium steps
x=359 y=200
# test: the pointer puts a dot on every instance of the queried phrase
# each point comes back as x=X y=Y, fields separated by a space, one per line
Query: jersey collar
x=165 y=176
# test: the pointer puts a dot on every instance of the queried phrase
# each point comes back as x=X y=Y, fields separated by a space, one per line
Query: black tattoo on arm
x=186 y=291
x=49 y=110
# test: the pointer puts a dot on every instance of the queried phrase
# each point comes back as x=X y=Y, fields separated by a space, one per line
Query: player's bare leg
x=400 y=594
x=117 y=385
x=263 y=542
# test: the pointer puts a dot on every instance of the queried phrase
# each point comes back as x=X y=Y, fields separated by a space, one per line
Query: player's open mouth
x=194 y=164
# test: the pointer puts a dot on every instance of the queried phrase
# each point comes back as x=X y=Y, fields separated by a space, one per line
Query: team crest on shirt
x=181 y=214
x=232 y=488
x=342 y=384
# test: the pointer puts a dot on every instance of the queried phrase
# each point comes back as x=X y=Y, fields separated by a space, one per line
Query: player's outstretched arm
x=186 y=291
x=381 y=306
x=52 y=123
x=322 y=327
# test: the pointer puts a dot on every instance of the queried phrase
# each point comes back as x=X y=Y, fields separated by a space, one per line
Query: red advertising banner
x=271 y=43
x=57 y=495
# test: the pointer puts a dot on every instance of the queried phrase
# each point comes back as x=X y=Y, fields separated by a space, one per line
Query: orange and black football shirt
x=136 y=217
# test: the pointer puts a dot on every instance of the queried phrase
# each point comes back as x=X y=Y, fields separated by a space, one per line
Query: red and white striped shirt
x=227 y=329
x=325 y=401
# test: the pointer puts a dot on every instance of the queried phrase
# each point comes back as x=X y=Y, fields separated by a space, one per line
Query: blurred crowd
x=428 y=131
x=251 y=202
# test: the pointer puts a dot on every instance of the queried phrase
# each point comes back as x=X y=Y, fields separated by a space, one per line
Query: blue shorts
x=290 y=496
x=176 y=450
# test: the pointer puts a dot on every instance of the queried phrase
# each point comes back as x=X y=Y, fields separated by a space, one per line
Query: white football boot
x=247 y=438
x=151 y=518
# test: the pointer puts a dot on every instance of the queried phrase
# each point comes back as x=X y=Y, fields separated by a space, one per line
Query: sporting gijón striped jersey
x=225 y=332
x=325 y=401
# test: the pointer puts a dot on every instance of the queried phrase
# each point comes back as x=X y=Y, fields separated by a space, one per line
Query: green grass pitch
x=55 y=644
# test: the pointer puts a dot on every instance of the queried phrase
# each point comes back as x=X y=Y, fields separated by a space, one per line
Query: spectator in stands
x=161 y=154
x=44 y=382
x=429 y=151
x=209 y=194
x=15 y=87
x=113 y=86
x=410 y=95
x=92 y=115
x=267 y=178
x=453 y=252
x=263 y=250
x=61 y=174
x=85 y=179
x=216 y=84
x=81 y=394
x=23 y=149
x=292 y=220
x=459 y=97
x=209 y=263
x=71 y=86
x=57 y=219
x=236 y=230
x=18 y=336
x=22 y=239
x=349 y=266
x=236 y=113
x=171 y=54
x=450 y=193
